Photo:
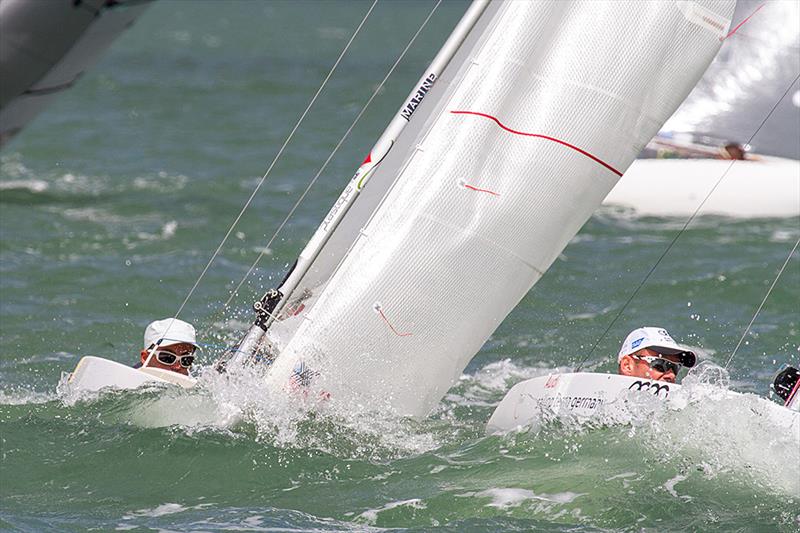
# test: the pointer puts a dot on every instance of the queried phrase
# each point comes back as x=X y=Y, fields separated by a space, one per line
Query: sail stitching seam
x=483 y=239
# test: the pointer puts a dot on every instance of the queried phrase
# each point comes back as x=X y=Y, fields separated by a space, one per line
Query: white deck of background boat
x=676 y=187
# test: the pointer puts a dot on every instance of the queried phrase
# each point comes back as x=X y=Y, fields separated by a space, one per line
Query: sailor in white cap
x=169 y=344
x=651 y=353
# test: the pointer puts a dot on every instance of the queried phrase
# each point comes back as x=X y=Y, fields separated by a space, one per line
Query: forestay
x=526 y=131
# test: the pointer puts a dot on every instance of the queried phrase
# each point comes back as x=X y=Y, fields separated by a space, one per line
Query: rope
x=328 y=160
x=682 y=230
x=774 y=282
x=269 y=169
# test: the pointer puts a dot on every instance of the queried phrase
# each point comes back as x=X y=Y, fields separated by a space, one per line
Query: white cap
x=169 y=331
x=660 y=341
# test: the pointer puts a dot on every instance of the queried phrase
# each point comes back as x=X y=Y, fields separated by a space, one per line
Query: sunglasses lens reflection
x=166 y=358
x=664 y=366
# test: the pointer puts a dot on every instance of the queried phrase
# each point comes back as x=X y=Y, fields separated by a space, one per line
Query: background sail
x=752 y=71
x=544 y=109
x=45 y=46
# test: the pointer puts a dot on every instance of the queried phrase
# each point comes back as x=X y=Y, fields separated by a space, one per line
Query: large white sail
x=529 y=127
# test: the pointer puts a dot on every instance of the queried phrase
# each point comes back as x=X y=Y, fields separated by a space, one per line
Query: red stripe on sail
x=537 y=135
x=470 y=187
x=380 y=312
x=734 y=30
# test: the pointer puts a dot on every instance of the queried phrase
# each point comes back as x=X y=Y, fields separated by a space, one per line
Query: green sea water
x=113 y=200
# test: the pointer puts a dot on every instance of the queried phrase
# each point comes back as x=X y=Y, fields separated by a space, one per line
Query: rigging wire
x=275 y=159
x=682 y=230
x=774 y=282
x=328 y=160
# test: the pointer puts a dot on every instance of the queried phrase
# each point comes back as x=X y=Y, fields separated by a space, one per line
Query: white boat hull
x=605 y=398
x=676 y=187
x=95 y=373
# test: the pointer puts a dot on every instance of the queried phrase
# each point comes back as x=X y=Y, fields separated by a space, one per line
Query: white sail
x=530 y=126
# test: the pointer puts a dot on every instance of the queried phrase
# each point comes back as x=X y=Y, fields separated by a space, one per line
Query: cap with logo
x=169 y=331
x=659 y=340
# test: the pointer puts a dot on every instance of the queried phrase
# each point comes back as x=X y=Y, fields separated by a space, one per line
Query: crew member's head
x=651 y=353
x=734 y=151
x=173 y=343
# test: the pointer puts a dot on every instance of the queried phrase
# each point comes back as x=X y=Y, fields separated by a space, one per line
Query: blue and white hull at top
x=608 y=399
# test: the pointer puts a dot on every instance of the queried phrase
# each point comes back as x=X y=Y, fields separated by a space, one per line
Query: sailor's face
x=183 y=348
x=641 y=367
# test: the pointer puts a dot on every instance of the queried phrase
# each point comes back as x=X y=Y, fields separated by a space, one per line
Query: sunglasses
x=659 y=364
x=168 y=358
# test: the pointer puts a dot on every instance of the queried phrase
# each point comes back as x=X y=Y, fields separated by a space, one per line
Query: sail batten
x=470 y=209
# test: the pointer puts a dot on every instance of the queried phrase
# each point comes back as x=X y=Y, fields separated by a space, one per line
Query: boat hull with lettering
x=609 y=399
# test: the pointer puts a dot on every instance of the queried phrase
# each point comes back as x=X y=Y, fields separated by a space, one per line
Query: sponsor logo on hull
x=651 y=386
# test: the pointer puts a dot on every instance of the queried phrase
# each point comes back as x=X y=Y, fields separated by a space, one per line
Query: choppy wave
x=353 y=470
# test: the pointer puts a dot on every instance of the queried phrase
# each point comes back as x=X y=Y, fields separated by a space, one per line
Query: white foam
x=241 y=396
x=167 y=232
x=737 y=434
x=31 y=185
x=670 y=486
x=623 y=475
x=161 y=510
x=512 y=497
x=370 y=516
x=24 y=397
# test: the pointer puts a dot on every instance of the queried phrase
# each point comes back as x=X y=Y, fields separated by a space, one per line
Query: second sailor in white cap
x=652 y=353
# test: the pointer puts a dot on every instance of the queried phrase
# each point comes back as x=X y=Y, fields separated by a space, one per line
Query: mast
x=270 y=305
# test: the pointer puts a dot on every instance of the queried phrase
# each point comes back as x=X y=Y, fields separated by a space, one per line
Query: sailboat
x=523 y=123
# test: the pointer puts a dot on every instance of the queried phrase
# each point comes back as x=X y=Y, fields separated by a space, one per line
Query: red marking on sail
x=537 y=135
x=380 y=312
x=470 y=187
x=297 y=311
x=794 y=392
x=367 y=159
x=734 y=30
